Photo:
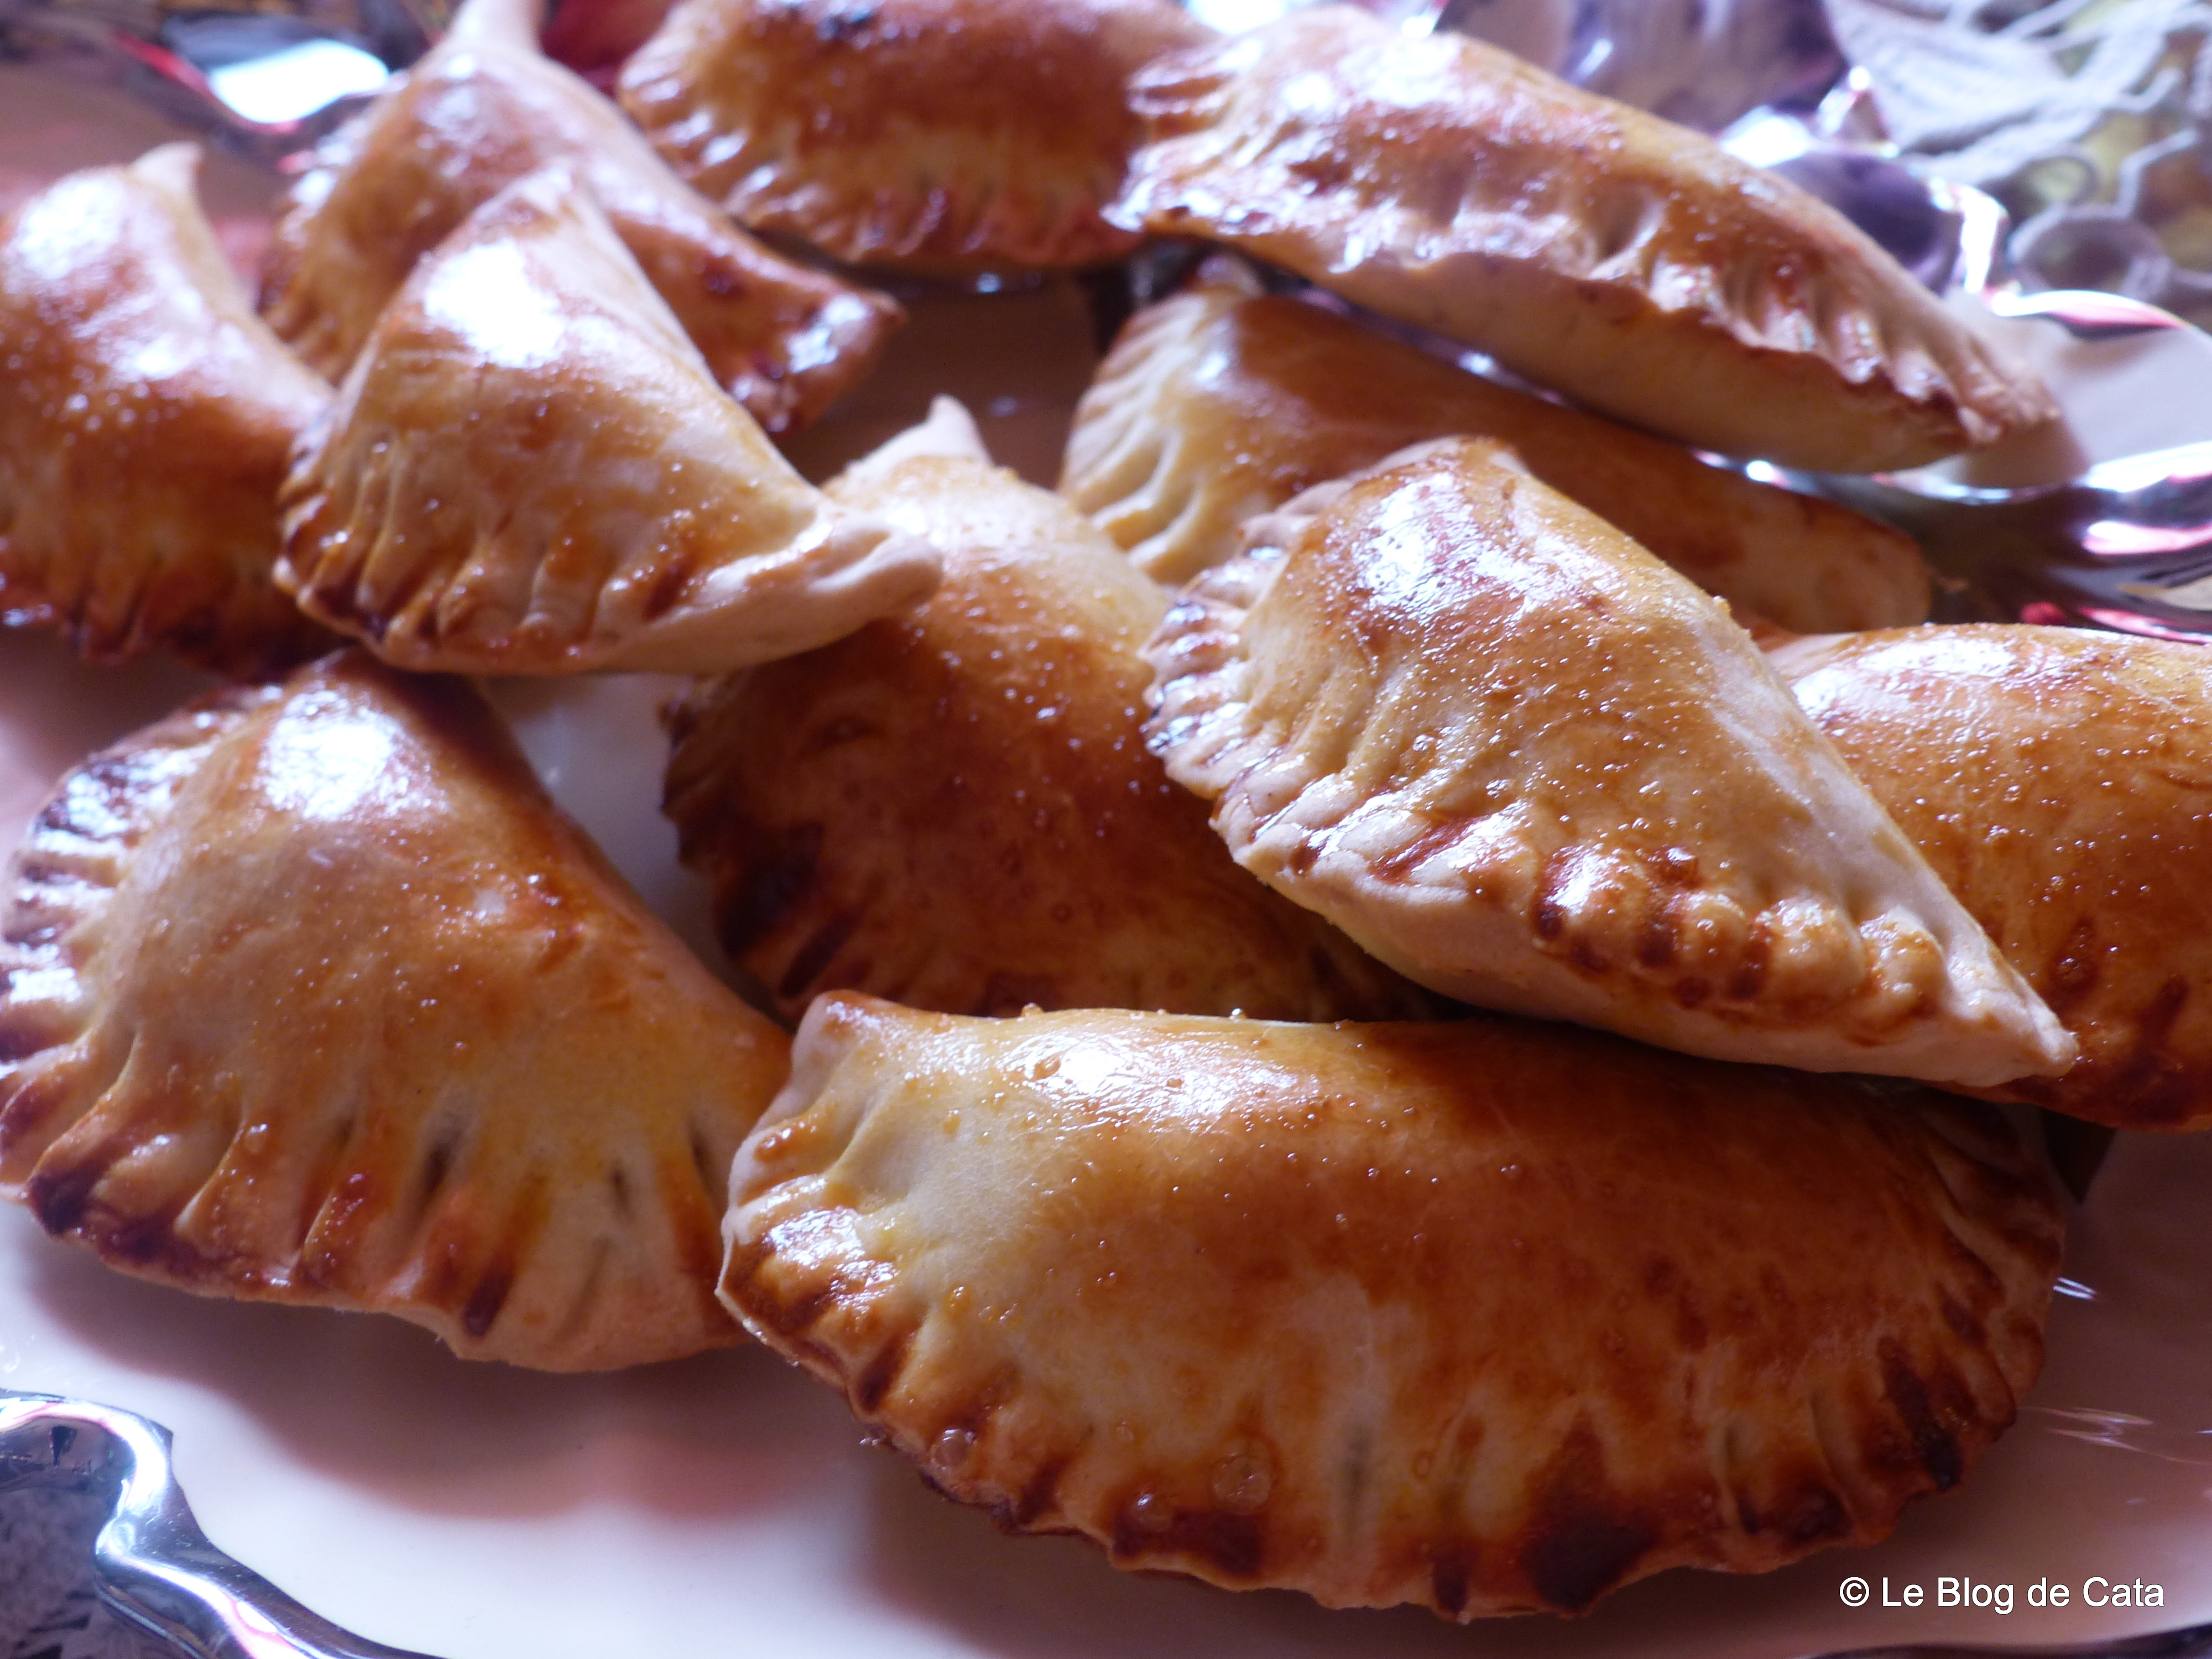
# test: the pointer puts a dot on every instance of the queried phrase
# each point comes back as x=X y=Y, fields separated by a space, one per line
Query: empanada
x=1629 y=262
x=1530 y=766
x=955 y=808
x=145 y=416
x=485 y=108
x=1486 y=1316
x=2060 y=782
x=313 y=996
x=949 y=134
x=529 y=471
x=1220 y=404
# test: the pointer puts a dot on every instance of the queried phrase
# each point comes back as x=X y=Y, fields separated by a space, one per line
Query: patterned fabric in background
x=2090 y=119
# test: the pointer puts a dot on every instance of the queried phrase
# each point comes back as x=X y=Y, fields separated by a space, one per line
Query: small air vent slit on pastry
x=952 y=136
x=529 y=471
x=2089 y=863
x=486 y=108
x=1222 y=403
x=955 y=808
x=1531 y=767
x=1496 y=1317
x=333 y=1007
x=1444 y=182
x=146 y=418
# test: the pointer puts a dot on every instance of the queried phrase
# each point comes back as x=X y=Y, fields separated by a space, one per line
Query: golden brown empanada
x=1220 y=404
x=485 y=108
x=2060 y=782
x=1528 y=765
x=313 y=996
x=529 y=471
x=145 y=416
x=950 y=134
x=1487 y=1316
x=1632 y=263
x=955 y=808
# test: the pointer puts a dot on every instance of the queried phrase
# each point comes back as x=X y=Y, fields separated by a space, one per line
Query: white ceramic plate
x=725 y=1505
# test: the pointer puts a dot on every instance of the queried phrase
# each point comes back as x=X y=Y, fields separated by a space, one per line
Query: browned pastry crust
x=1632 y=263
x=145 y=417
x=2060 y=782
x=1220 y=404
x=1528 y=765
x=529 y=471
x=312 y=996
x=1489 y=1317
x=950 y=134
x=954 y=807
x=487 y=107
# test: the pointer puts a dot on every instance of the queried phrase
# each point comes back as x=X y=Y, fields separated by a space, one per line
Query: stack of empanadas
x=1356 y=1032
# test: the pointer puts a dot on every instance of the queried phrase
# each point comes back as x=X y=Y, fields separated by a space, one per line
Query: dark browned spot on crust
x=1809 y=1514
x=1751 y=972
x=1691 y=992
x=1450 y=1577
x=1234 y=1546
x=1934 y=1446
x=2074 y=971
x=1583 y=1536
x=1037 y=1495
x=815 y=956
x=487 y=1298
x=668 y=585
x=1656 y=948
x=873 y=1383
x=1963 y=1324
x=1400 y=865
x=777 y=872
x=60 y=1197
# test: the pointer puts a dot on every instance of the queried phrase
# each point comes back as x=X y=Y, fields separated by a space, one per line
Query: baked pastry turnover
x=2060 y=782
x=955 y=808
x=1530 y=766
x=1221 y=404
x=529 y=471
x=955 y=135
x=487 y=107
x=145 y=417
x=312 y=996
x=1629 y=262
x=1484 y=1316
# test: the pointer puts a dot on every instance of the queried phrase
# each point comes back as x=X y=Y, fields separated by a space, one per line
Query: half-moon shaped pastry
x=145 y=417
x=1486 y=1316
x=950 y=134
x=1629 y=262
x=529 y=471
x=955 y=808
x=487 y=107
x=2060 y=782
x=313 y=996
x=1221 y=404
x=1528 y=765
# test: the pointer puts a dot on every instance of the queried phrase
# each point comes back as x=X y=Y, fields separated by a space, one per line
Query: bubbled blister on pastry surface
x=955 y=808
x=945 y=134
x=1631 y=264
x=528 y=470
x=1488 y=1316
x=1526 y=763
x=2060 y=782
x=1223 y=403
x=486 y=108
x=312 y=996
x=146 y=416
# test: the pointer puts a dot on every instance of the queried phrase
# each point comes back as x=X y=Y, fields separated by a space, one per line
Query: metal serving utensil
x=151 y=1564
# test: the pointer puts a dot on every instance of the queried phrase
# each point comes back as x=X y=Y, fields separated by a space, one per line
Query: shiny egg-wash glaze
x=313 y=996
x=1489 y=1317
x=1631 y=264
x=146 y=418
x=2060 y=782
x=955 y=808
x=488 y=107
